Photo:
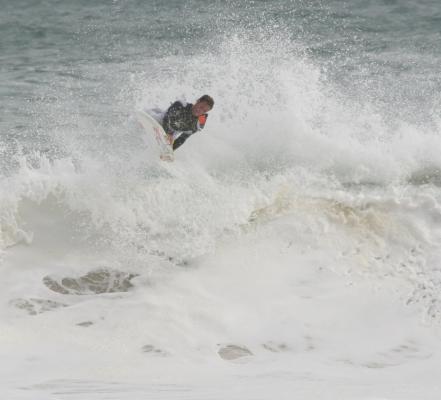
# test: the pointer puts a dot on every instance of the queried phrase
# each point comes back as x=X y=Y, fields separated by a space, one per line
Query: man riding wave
x=181 y=120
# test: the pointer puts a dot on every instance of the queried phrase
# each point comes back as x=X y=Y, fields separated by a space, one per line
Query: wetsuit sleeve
x=180 y=140
x=172 y=116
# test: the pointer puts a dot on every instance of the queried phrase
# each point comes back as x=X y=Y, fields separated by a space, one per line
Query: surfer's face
x=199 y=108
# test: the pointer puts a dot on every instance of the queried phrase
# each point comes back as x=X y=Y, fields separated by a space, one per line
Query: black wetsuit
x=179 y=118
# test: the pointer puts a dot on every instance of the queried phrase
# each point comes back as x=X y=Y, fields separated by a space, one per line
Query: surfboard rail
x=152 y=127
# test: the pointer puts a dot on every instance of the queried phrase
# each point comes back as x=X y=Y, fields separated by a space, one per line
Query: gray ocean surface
x=50 y=50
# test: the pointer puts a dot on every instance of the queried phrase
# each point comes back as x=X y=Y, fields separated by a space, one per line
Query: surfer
x=182 y=119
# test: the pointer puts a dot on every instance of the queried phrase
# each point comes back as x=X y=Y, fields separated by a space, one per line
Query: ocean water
x=292 y=250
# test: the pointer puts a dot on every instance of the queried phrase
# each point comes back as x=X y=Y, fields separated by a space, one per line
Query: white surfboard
x=152 y=127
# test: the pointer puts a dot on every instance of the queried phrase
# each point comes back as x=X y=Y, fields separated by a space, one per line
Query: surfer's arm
x=200 y=123
x=180 y=140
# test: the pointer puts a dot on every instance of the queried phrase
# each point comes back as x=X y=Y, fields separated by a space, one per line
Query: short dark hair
x=207 y=99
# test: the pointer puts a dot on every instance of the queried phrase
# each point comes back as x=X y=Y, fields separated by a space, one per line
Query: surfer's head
x=202 y=105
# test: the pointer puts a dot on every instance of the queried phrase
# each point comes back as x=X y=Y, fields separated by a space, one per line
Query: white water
x=294 y=256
